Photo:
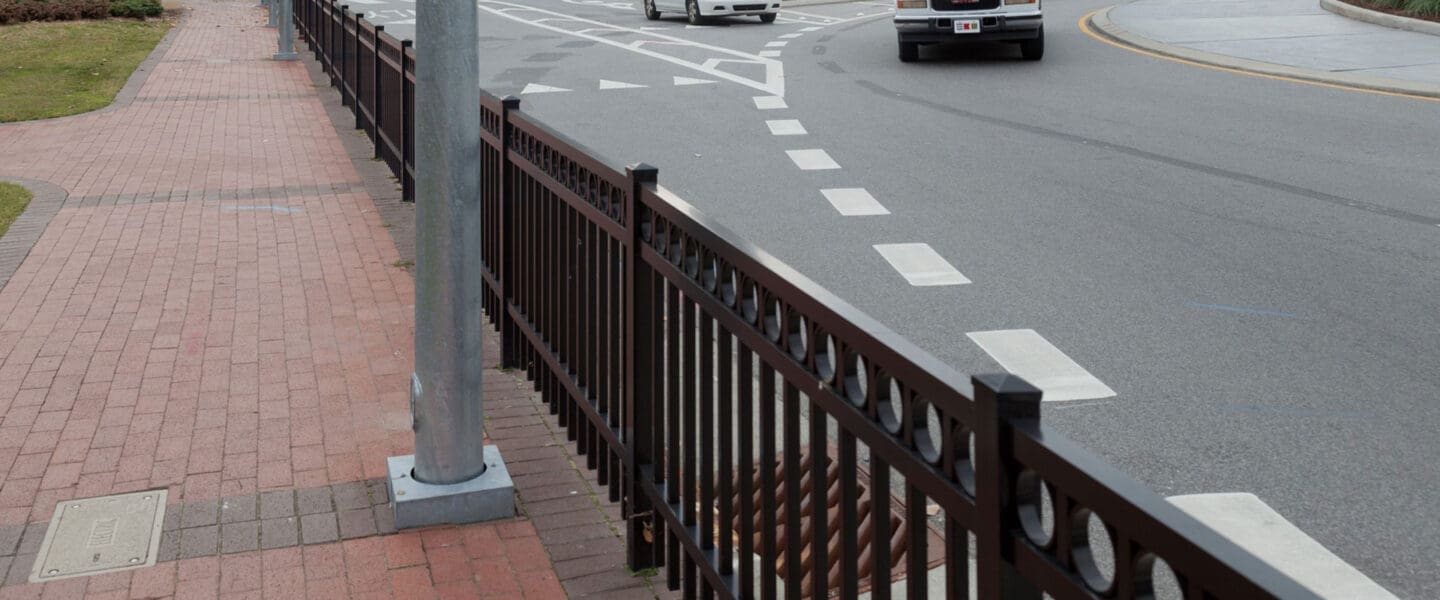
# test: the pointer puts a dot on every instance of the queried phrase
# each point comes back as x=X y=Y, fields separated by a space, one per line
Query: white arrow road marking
x=606 y=84
x=774 y=79
x=691 y=81
x=1249 y=522
x=1029 y=355
x=535 y=88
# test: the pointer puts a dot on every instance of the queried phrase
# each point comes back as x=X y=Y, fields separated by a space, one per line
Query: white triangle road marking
x=535 y=88
x=606 y=84
x=691 y=81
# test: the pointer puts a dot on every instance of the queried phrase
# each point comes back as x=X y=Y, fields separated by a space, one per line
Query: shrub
x=138 y=9
x=1420 y=7
x=19 y=11
x=1424 y=7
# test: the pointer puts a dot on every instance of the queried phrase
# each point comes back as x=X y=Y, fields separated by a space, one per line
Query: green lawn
x=55 y=69
x=13 y=199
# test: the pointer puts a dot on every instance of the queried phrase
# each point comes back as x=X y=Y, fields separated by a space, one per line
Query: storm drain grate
x=899 y=541
x=100 y=535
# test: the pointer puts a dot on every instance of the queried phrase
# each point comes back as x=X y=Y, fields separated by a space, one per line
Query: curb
x=1102 y=25
x=1350 y=11
x=45 y=201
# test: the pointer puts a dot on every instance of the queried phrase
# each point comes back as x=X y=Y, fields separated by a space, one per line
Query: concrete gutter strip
x=784 y=4
x=1102 y=24
x=1350 y=11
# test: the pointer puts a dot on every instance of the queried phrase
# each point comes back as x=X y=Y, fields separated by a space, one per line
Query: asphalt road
x=1253 y=266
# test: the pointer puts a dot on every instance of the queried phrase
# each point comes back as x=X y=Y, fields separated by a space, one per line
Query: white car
x=697 y=11
x=927 y=22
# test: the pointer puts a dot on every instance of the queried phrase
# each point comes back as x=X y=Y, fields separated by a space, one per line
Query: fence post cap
x=644 y=172
x=1014 y=397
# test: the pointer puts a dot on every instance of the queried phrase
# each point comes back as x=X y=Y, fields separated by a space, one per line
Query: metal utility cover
x=99 y=535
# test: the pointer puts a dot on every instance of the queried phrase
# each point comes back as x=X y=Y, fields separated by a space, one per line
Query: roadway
x=1250 y=265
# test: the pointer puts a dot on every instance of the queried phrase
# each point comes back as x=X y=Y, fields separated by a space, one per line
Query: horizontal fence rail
x=765 y=438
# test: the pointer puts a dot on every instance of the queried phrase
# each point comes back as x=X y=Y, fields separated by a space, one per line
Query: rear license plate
x=967 y=25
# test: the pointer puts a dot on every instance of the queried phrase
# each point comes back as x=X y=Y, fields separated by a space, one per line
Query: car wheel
x=692 y=10
x=1033 y=49
x=650 y=12
x=768 y=18
x=909 y=51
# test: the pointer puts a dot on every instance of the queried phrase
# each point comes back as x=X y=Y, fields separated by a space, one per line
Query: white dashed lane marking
x=785 y=127
x=1249 y=522
x=812 y=160
x=790 y=36
x=810 y=29
x=921 y=265
x=769 y=102
x=1029 y=355
x=691 y=81
x=854 y=202
x=776 y=44
x=769 y=53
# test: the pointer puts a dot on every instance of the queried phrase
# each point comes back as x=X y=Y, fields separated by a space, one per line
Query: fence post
x=643 y=527
x=999 y=400
x=407 y=120
x=509 y=336
x=375 y=92
x=337 y=51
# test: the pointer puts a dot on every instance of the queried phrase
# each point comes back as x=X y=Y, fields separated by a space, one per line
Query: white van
x=699 y=10
x=927 y=22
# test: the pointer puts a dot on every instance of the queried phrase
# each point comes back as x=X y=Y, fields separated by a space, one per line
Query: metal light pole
x=274 y=13
x=287 y=29
x=449 y=479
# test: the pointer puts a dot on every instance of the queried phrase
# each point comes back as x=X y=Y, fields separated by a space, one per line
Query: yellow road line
x=1085 y=27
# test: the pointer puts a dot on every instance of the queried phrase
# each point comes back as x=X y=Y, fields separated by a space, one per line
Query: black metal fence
x=764 y=437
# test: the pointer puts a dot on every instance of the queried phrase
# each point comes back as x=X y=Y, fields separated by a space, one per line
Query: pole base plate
x=488 y=497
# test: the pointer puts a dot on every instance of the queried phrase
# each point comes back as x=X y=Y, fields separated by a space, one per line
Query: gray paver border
x=217 y=526
x=15 y=245
x=1101 y=25
x=1358 y=13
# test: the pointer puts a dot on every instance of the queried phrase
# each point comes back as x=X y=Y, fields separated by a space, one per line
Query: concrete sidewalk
x=1293 y=38
x=207 y=299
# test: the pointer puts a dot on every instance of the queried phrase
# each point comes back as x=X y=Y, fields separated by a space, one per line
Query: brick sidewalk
x=215 y=307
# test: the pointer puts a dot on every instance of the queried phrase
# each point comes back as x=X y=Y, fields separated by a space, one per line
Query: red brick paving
x=216 y=349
